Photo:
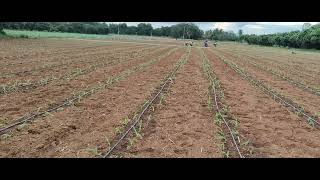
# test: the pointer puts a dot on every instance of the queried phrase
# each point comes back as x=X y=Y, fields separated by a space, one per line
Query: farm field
x=133 y=98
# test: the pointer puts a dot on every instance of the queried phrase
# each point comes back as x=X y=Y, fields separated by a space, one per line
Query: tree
x=306 y=26
x=144 y=29
x=1 y=28
x=240 y=32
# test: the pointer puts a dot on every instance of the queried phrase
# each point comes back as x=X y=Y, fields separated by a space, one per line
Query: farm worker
x=206 y=43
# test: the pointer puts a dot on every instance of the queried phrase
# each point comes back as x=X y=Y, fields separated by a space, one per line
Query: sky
x=247 y=27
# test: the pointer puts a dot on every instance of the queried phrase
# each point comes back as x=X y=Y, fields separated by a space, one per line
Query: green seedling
x=152 y=108
x=126 y=121
x=137 y=133
x=131 y=141
x=234 y=132
x=209 y=102
x=245 y=143
x=108 y=142
x=140 y=126
x=93 y=151
x=21 y=126
x=221 y=137
x=218 y=119
x=226 y=154
x=118 y=130
x=311 y=122
x=161 y=99
x=5 y=136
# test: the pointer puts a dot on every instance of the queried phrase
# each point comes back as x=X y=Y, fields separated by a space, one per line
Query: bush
x=23 y=36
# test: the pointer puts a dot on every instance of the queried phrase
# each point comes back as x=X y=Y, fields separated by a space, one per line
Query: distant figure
x=206 y=44
x=190 y=43
x=215 y=44
x=293 y=52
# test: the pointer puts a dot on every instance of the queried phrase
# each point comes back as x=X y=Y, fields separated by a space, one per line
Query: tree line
x=308 y=38
x=182 y=30
x=1 y=28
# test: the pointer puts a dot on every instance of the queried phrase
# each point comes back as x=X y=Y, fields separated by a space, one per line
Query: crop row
x=25 y=85
x=292 y=106
x=134 y=123
x=77 y=97
x=298 y=84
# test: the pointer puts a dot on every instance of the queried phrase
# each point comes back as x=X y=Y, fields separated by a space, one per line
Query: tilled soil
x=75 y=130
x=309 y=101
x=273 y=131
x=180 y=126
x=41 y=70
x=184 y=126
x=32 y=55
x=17 y=104
x=299 y=74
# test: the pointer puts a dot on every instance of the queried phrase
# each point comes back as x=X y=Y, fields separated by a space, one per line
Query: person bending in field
x=206 y=43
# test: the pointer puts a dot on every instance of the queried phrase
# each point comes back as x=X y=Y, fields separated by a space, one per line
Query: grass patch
x=43 y=34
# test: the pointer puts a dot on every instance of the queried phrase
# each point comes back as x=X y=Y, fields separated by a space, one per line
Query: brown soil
x=300 y=74
x=39 y=70
x=72 y=132
x=16 y=105
x=302 y=97
x=184 y=126
x=273 y=130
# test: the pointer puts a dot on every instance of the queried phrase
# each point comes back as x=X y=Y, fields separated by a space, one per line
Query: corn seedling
x=226 y=154
x=118 y=130
x=209 y=102
x=137 y=133
x=311 y=122
x=140 y=126
x=21 y=126
x=245 y=143
x=131 y=141
x=218 y=119
x=108 y=142
x=161 y=99
x=93 y=151
x=126 y=120
x=5 y=136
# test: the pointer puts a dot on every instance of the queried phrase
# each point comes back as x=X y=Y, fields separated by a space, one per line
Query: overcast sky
x=247 y=27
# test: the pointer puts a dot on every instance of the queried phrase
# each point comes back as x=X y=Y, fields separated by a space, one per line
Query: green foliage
x=308 y=38
x=1 y=28
x=71 y=27
x=219 y=34
x=186 y=30
x=144 y=29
